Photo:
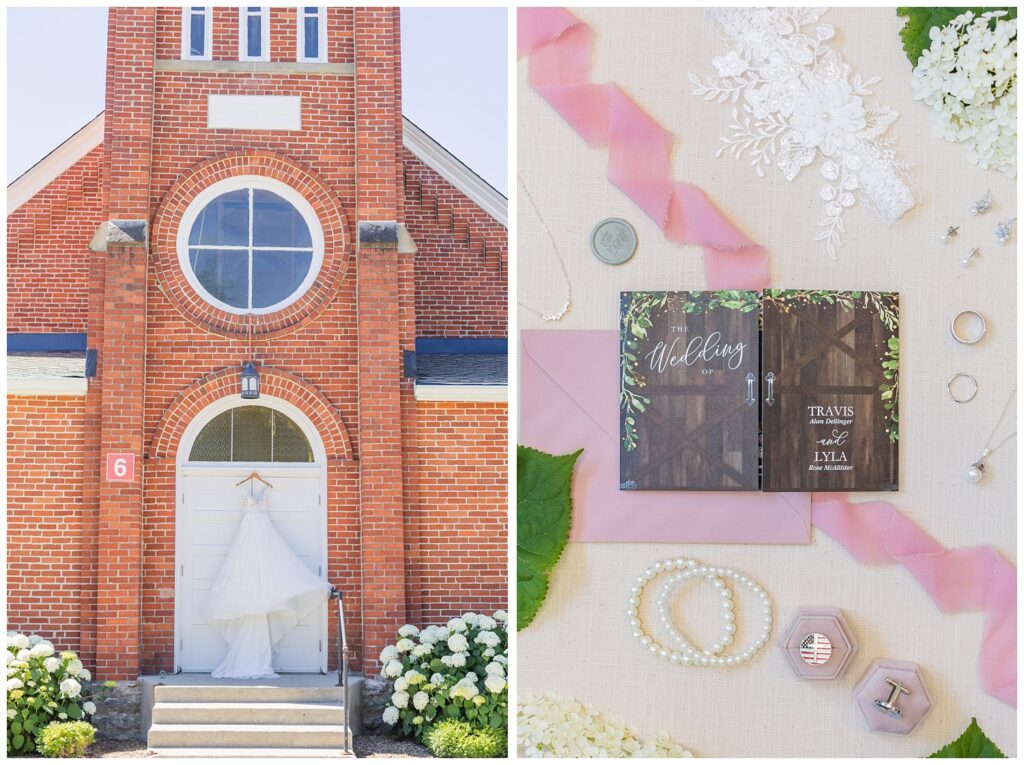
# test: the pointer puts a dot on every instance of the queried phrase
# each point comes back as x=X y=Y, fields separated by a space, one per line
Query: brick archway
x=173 y=282
x=274 y=382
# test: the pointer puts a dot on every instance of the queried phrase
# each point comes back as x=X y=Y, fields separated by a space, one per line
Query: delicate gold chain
x=558 y=256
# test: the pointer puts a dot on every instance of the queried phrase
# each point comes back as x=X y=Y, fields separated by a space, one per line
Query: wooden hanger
x=257 y=476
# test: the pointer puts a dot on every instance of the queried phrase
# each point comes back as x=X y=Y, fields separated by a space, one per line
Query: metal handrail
x=343 y=664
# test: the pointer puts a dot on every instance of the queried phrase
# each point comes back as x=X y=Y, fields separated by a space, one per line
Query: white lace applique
x=795 y=98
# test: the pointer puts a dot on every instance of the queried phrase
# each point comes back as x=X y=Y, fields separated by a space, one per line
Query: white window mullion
x=251 y=192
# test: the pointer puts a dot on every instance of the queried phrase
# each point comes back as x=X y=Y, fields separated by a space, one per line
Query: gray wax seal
x=613 y=241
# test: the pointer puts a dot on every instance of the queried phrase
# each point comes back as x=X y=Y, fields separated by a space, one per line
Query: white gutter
x=492 y=393
x=47 y=386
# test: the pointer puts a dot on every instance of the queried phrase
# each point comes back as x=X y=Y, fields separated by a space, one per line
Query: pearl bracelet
x=678 y=571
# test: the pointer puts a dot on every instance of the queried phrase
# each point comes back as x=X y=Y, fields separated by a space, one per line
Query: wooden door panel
x=828 y=428
x=685 y=420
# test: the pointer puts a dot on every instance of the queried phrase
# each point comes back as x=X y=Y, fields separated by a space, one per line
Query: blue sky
x=454 y=68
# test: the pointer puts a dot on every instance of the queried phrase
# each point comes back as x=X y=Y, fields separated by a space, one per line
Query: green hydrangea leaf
x=544 y=515
x=972 y=743
x=920 y=21
x=531 y=589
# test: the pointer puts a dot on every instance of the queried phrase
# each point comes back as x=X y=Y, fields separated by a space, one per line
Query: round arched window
x=250 y=245
x=251 y=434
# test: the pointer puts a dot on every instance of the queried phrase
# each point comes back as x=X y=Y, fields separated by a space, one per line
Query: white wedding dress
x=262 y=591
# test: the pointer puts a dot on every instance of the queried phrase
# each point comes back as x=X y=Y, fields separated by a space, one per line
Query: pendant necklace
x=977 y=470
x=558 y=256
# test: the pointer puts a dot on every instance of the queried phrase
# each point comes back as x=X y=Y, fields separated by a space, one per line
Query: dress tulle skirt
x=262 y=591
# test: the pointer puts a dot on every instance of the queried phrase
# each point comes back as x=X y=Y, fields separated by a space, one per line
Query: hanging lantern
x=250 y=381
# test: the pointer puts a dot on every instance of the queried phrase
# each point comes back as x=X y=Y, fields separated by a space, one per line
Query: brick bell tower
x=194 y=98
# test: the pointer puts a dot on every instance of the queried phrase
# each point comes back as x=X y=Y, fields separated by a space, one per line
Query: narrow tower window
x=253 y=34
x=195 y=32
x=312 y=34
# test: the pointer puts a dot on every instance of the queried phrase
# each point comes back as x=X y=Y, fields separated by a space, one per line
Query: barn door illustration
x=688 y=412
x=829 y=377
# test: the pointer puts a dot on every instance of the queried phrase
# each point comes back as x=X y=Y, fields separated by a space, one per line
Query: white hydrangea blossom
x=495 y=668
x=75 y=667
x=456 y=625
x=458 y=642
x=17 y=640
x=85 y=674
x=12 y=713
x=969 y=77
x=488 y=639
x=415 y=677
x=52 y=664
x=70 y=687
x=14 y=684
x=419 y=691
x=89 y=708
x=42 y=649
x=24 y=655
x=465 y=688
x=556 y=726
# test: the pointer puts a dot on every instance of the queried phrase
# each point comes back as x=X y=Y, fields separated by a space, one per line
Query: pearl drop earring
x=966 y=262
x=950 y=233
x=983 y=205
x=1004 y=230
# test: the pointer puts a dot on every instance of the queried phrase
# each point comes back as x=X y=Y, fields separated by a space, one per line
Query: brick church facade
x=252 y=198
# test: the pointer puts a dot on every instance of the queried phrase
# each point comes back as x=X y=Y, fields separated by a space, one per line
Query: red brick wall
x=48 y=251
x=320 y=351
x=461 y=259
x=456 y=510
x=45 y=514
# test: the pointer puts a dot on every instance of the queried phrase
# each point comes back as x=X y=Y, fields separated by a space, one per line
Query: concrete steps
x=247 y=721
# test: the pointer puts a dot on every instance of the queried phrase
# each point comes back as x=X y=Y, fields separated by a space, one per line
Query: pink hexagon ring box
x=892 y=697
x=818 y=644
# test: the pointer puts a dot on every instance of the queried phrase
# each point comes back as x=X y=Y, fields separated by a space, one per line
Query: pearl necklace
x=977 y=470
x=679 y=570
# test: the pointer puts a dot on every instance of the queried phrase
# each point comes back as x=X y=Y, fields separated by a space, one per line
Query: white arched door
x=225 y=443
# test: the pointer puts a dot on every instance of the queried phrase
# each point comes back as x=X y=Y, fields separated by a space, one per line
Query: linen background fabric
x=580 y=643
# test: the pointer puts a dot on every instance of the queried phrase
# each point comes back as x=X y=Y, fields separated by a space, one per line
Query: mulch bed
x=385 y=745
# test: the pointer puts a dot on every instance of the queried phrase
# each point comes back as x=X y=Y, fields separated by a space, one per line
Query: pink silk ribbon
x=975 y=579
x=639 y=149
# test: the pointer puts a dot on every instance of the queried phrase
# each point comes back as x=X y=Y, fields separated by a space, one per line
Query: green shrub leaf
x=972 y=743
x=543 y=516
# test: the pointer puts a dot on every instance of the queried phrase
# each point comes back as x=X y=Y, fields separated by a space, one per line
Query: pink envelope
x=569 y=400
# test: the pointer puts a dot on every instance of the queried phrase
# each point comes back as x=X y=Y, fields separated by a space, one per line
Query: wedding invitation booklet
x=778 y=390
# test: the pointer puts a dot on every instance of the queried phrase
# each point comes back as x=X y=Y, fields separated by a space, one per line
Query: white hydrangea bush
x=968 y=76
x=457 y=670
x=549 y=725
x=42 y=686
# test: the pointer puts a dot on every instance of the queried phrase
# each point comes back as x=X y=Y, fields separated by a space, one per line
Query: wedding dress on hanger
x=262 y=591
